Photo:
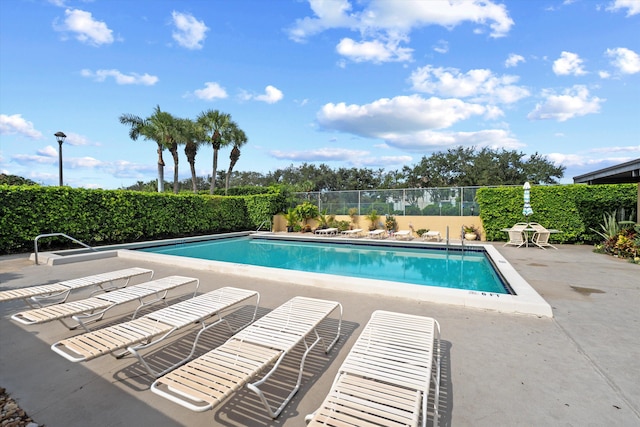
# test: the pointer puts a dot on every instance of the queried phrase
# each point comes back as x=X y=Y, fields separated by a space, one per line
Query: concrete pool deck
x=580 y=367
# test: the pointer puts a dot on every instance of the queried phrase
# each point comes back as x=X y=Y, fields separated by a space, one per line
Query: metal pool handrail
x=35 y=242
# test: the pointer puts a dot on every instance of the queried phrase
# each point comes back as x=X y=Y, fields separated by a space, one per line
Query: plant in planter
x=292 y=219
x=353 y=214
x=391 y=224
x=323 y=220
x=373 y=217
x=471 y=232
x=307 y=211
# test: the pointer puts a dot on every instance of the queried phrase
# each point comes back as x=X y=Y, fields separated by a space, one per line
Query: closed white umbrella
x=526 y=210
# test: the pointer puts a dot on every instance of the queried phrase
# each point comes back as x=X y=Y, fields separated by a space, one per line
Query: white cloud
x=86 y=29
x=120 y=78
x=441 y=47
x=211 y=91
x=375 y=51
x=573 y=102
x=629 y=148
x=271 y=96
x=383 y=24
x=83 y=162
x=632 y=6
x=428 y=140
x=190 y=33
x=15 y=124
x=479 y=84
x=568 y=63
x=625 y=60
x=403 y=113
x=513 y=60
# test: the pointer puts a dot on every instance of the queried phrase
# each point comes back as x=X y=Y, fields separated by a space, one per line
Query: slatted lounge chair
x=327 y=231
x=208 y=380
x=356 y=232
x=35 y=296
x=378 y=234
x=205 y=310
x=432 y=235
x=93 y=309
x=403 y=235
x=517 y=236
x=385 y=378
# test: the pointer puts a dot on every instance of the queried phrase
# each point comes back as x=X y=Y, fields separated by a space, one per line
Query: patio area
x=578 y=368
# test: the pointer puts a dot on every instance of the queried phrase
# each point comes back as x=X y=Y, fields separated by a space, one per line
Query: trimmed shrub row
x=101 y=217
x=573 y=209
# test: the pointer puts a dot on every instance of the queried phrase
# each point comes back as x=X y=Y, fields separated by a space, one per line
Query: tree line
x=457 y=167
x=169 y=132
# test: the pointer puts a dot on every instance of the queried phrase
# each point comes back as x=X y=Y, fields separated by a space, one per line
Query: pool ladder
x=35 y=242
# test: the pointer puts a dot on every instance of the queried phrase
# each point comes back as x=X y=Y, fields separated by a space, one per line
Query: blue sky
x=349 y=83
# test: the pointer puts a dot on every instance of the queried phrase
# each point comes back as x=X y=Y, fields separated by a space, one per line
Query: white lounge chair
x=327 y=231
x=205 y=310
x=403 y=235
x=378 y=234
x=356 y=232
x=208 y=380
x=517 y=236
x=432 y=235
x=385 y=378
x=93 y=309
x=37 y=296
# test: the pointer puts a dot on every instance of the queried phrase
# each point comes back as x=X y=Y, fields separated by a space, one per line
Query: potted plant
x=353 y=214
x=305 y=212
x=391 y=224
x=292 y=219
x=471 y=232
x=373 y=217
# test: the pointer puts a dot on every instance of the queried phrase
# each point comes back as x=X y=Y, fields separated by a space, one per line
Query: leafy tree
x=193 y=135
x=216 y=125
x=15 y=180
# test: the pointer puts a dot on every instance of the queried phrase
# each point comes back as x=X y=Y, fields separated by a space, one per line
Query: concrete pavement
x=580 y=368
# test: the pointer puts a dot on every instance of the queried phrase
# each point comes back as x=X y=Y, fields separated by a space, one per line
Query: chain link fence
x=449 y=201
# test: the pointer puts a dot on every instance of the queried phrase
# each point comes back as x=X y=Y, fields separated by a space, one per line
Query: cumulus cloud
x=211 y=91
x=573 y=102
x=17 y=125
x=513 y=60
x=625 y=60
x=632 y=6
x=479 y=84
x=85 y=28
x=189 y=33
x=406 y=113
x=271 y=95
x=383 y=25
x=375 y=51
x=568 y=64
x=120 y=78
x=428 y=140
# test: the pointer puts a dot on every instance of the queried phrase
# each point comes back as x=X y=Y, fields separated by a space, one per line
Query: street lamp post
x=60 y=136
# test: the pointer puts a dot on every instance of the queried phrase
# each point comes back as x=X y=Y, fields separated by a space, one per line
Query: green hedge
x=99 y=217
x=573 y=209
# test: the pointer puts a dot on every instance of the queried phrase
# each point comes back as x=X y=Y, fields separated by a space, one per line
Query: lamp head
x=60 y=136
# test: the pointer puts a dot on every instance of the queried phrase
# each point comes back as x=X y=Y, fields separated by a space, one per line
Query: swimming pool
x=467 y=270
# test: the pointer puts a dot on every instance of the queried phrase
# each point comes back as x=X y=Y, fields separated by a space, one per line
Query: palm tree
x=216 y=125
x=239 y=138
x=170 y=131
x=193 y=135
x=154 y=128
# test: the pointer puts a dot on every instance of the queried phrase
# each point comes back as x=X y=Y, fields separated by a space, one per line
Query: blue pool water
x=430 y=267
